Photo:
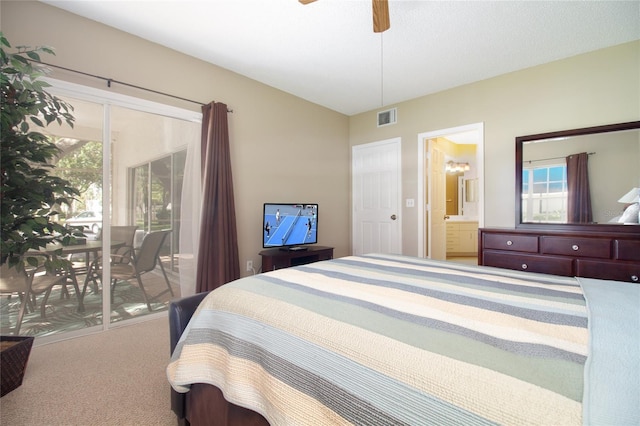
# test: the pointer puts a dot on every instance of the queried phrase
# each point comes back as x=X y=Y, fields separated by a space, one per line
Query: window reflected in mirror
x=544 y=193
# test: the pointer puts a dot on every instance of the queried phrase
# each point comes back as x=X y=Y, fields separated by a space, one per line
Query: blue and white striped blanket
x=385 y=339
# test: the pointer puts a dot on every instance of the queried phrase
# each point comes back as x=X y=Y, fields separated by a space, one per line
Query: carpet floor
x=115 y=377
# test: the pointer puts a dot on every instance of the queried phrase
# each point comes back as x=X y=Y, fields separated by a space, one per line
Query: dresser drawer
x=529 y=263
x=627 y=249
x=577 y=247
x=618 y=271
x=511 y=242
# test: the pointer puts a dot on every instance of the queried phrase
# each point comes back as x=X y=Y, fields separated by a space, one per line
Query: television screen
x=289 y=226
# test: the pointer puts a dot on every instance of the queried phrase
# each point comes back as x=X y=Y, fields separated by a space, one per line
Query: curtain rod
x=111 y=80
x=552 y=158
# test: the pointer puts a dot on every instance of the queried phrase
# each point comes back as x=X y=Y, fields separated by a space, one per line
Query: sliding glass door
x=129 y=209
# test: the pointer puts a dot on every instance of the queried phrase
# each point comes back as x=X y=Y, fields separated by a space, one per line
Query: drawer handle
x=575 y=247
x=509 y=242
x=635 y=278
x=524 y=266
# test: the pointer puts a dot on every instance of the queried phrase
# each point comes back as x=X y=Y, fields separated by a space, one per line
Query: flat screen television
x=289 y=226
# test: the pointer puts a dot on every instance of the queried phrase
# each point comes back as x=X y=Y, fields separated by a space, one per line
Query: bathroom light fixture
x=454 y=167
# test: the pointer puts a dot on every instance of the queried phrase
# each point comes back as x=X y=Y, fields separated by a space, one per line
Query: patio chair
x=28 y=284
x=143 y=261
x=124 y=234
x=121 y=254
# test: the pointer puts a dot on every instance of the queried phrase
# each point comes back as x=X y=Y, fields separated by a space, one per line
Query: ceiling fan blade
x=380 y=15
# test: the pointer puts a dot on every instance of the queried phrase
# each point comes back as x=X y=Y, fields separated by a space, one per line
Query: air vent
x=387 y=117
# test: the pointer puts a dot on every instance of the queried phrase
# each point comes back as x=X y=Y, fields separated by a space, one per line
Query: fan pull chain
x=381 y=71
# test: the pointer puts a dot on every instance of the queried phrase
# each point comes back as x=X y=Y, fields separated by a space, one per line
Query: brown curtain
x=579 y=202
x=218 y=261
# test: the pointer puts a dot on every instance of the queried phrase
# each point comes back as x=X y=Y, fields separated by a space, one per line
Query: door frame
x=397 y=143
x=424 y=209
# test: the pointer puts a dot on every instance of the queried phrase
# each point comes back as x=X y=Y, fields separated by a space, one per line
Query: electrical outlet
x=249 y=265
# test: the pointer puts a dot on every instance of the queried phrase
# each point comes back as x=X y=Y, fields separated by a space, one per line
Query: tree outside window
x=81 y=165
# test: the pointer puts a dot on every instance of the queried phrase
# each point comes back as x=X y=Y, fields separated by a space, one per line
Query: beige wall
x=600 y=87
x=283 y=148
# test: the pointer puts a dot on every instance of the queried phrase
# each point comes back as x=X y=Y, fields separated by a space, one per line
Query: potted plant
x=30 y=193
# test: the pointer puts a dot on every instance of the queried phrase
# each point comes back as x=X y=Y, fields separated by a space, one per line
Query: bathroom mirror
x=471 y=190
x=550 y=193
x=461 y=196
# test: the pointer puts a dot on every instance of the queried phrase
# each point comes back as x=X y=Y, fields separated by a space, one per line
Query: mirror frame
x=596 y=227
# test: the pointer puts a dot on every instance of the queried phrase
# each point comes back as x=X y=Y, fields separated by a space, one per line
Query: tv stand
x=273 y=259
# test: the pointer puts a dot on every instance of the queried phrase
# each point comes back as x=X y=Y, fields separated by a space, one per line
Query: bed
x=389 y=339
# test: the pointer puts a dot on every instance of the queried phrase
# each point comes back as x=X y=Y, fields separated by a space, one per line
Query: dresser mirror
x=596 y=166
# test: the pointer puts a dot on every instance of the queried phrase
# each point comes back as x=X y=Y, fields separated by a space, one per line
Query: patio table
x=87 y=248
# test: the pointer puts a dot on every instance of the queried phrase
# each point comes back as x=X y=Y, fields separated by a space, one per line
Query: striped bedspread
x=385 y=339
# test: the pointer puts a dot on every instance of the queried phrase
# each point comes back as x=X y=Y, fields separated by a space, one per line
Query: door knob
x=446 y=217
x=393 y=217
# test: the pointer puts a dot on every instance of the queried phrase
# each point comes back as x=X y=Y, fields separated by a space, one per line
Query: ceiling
x=326 y=52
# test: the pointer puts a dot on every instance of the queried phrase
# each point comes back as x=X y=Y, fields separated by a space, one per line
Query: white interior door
x=376 y=190
x=438 y=249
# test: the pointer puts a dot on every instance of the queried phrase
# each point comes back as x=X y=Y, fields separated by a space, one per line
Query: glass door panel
x=80 y=163
x=148 y=160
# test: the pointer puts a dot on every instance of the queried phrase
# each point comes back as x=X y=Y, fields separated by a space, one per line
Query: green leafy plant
x=30 y=193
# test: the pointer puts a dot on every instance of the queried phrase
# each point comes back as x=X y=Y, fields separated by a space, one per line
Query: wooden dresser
x=604 y=255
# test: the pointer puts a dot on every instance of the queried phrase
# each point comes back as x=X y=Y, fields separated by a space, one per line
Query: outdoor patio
x=62 y=307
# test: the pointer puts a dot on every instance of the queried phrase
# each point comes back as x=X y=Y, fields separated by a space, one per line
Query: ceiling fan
x=380 y=14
